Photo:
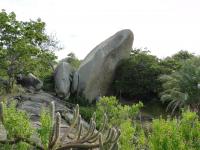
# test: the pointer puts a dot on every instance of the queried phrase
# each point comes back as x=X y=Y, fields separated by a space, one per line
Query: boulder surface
x=34 y=103
x=96 y=72
x=63 y=79
x=30 y=81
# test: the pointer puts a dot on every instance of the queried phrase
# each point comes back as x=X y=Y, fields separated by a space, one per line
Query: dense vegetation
x=174 y=80
x=182 y=87
x=136 y=77
x=161 y=134
x=25 y=48
x=21 y=135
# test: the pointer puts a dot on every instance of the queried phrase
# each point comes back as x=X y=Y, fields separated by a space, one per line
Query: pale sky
x=163 y=26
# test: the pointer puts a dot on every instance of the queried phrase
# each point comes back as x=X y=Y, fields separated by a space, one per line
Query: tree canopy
x=136 y=77
x=24 y=47
x=72 y=60
x=174 y=62
x=182 y=87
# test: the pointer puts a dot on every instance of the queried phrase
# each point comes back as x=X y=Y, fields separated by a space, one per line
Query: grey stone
x=3 y=134
x=96 y=72
x=63 y=79
x=34 y=103
x=30 y=81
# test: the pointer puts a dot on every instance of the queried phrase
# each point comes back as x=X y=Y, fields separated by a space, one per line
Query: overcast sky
x=163 y=26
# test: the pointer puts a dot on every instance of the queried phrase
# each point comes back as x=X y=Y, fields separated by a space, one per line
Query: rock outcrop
x=30 y=82
x=63 y=79
x=95 y=74
x=34 y=103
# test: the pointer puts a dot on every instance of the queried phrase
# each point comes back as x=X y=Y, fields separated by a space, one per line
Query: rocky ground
x=33 y=103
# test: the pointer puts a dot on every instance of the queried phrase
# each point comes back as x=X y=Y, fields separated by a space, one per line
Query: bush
x=87 y=112
x=136 y=77
x=119 y=116
x=116 y=112
x=126 y=138
x=20 y=131
x=181 y=88
x=16 y=123
x=46 y=127
x=165 y=135
x=173 y=134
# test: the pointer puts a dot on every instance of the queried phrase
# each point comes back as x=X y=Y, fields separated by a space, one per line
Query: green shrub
x=18 y=127
x=136 y=77
x=116 y=112
x=126 y=138
x=16 y=123
x=119 y=116
x=181 y=88
x=165 y=135
x=87 y=112
x=46 y=127
x=190 y=129
x=176 y=134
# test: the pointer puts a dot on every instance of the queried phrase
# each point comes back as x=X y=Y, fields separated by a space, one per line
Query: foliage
x=46 y=127
x=165 y=135
x=174 y=63
x=72 y=60
x=136 y=77
x=50 y=132
x=17 y=124
x=87 y=112
x=23 y=46
x=77 y=99
x=48 y=83
x=190 y=127
x=14 y=120
x=116 y=112
x=140 y=139
x=22 y=146
x=126 y=138
x=120 y=116
x=181 y=88
x=173 y=134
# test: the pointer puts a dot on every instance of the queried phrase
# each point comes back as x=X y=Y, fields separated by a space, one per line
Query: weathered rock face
x=63 y=78
x=34 y=103
x=30 y=81
x=95 y=74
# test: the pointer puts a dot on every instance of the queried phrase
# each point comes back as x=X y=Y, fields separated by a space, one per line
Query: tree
x=182 y=55
x=72 y=60
x=182 y=87
x=24 y=47
x=173 y=63
x=136 y=77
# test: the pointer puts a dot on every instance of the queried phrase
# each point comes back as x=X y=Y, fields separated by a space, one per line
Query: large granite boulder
x=63 y=78
x=96 y=72
x=30 y=81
